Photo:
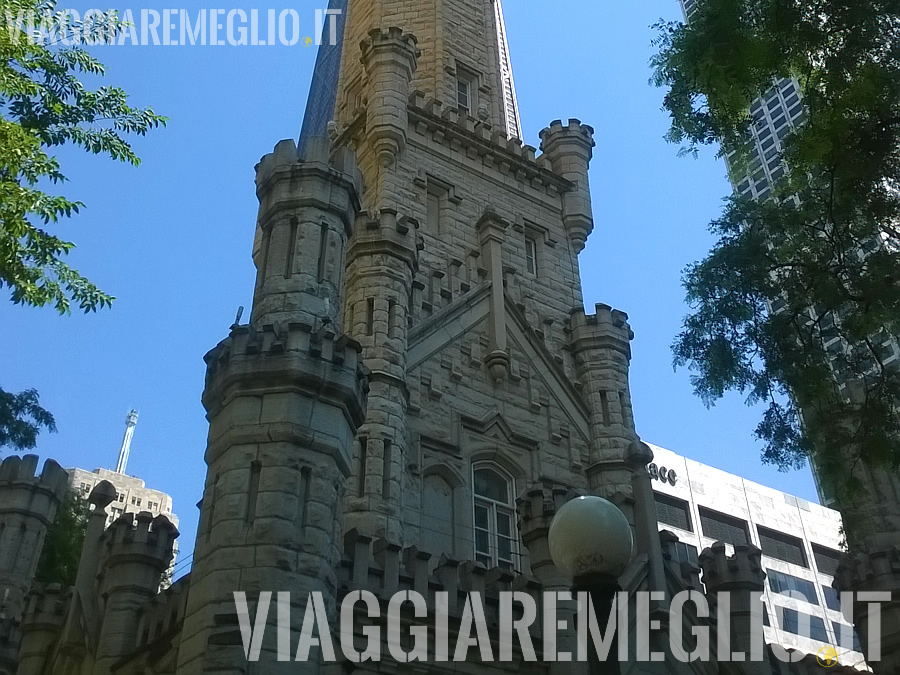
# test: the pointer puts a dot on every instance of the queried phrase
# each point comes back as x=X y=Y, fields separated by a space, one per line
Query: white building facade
x=801 y=544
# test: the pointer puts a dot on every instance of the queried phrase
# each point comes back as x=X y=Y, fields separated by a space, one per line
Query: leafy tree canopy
x=43 y=105
x=21 y=419
x=58 y=563
x=800 y=291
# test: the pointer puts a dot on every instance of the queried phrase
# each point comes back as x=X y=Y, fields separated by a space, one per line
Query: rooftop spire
x=508 y=85
x=465 y=61
x=130 y=423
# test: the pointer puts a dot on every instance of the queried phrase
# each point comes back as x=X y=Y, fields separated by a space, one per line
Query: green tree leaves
x=61 y=553
x=801 y=291
x=44 y=104
x=21 y=419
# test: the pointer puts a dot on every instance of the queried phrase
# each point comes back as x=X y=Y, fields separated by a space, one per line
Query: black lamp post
x=590 y=541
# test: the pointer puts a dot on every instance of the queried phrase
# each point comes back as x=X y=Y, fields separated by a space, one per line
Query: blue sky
x=172 y=239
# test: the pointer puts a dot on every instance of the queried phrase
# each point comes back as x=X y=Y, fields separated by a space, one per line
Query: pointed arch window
x=496 y=540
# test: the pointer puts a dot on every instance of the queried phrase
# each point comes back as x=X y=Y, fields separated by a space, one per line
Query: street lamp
x=590 y=542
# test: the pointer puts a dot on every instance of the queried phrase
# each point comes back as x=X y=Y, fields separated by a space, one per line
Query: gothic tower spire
x=445 y=30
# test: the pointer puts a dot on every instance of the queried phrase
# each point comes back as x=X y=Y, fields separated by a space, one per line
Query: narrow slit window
x=531 y=255
x=433 y=218
x=292 y=250
x=363 y=461
x=303 y=496
x=392 y=318
x=370 y=316
x=323 y=250
x=253 y=492
x=267 y=244
x=604 y=403
x=387 y=460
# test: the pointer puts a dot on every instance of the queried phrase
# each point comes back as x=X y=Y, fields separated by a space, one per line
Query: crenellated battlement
x=607 y=327
x=741 y=571
x=688 y=572
x=46 y=611
x=21 y=472
x=301 y=340
x=47 y=604
x=571 y=139
x=164 y=613
x=140 y=535
x=385 y=232
x=28 y=504
x=328 y=181
x=480 y=139
x=384 y=569
x=537 y=507
x=391 y=39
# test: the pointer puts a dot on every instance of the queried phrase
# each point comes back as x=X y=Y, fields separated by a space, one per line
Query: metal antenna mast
x=130 y=423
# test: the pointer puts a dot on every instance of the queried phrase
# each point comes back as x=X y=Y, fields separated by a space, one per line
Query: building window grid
x=838 y=628
x=674 y=512
x=827 y=560
x=494 y=518
x=721 y=527
x=782 y=547
x=782 y=583
x=790 y=621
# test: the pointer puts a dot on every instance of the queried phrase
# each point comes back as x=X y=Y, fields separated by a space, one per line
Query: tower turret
x=389 y=57
x=876 y=572
x=306 y=214
x=284 y=397
x=741 y=576
x=382 y=261
x=569 y=149
x=601 y=346
x=136 y=550
x=28 y=505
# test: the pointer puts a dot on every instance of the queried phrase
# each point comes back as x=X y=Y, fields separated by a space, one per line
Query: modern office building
x=133 y=495
x=801 y=543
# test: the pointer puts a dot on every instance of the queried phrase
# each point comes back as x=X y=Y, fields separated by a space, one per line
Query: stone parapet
x=385 y=569
x=162 y=616
x=306 y=358
x=46 y=610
